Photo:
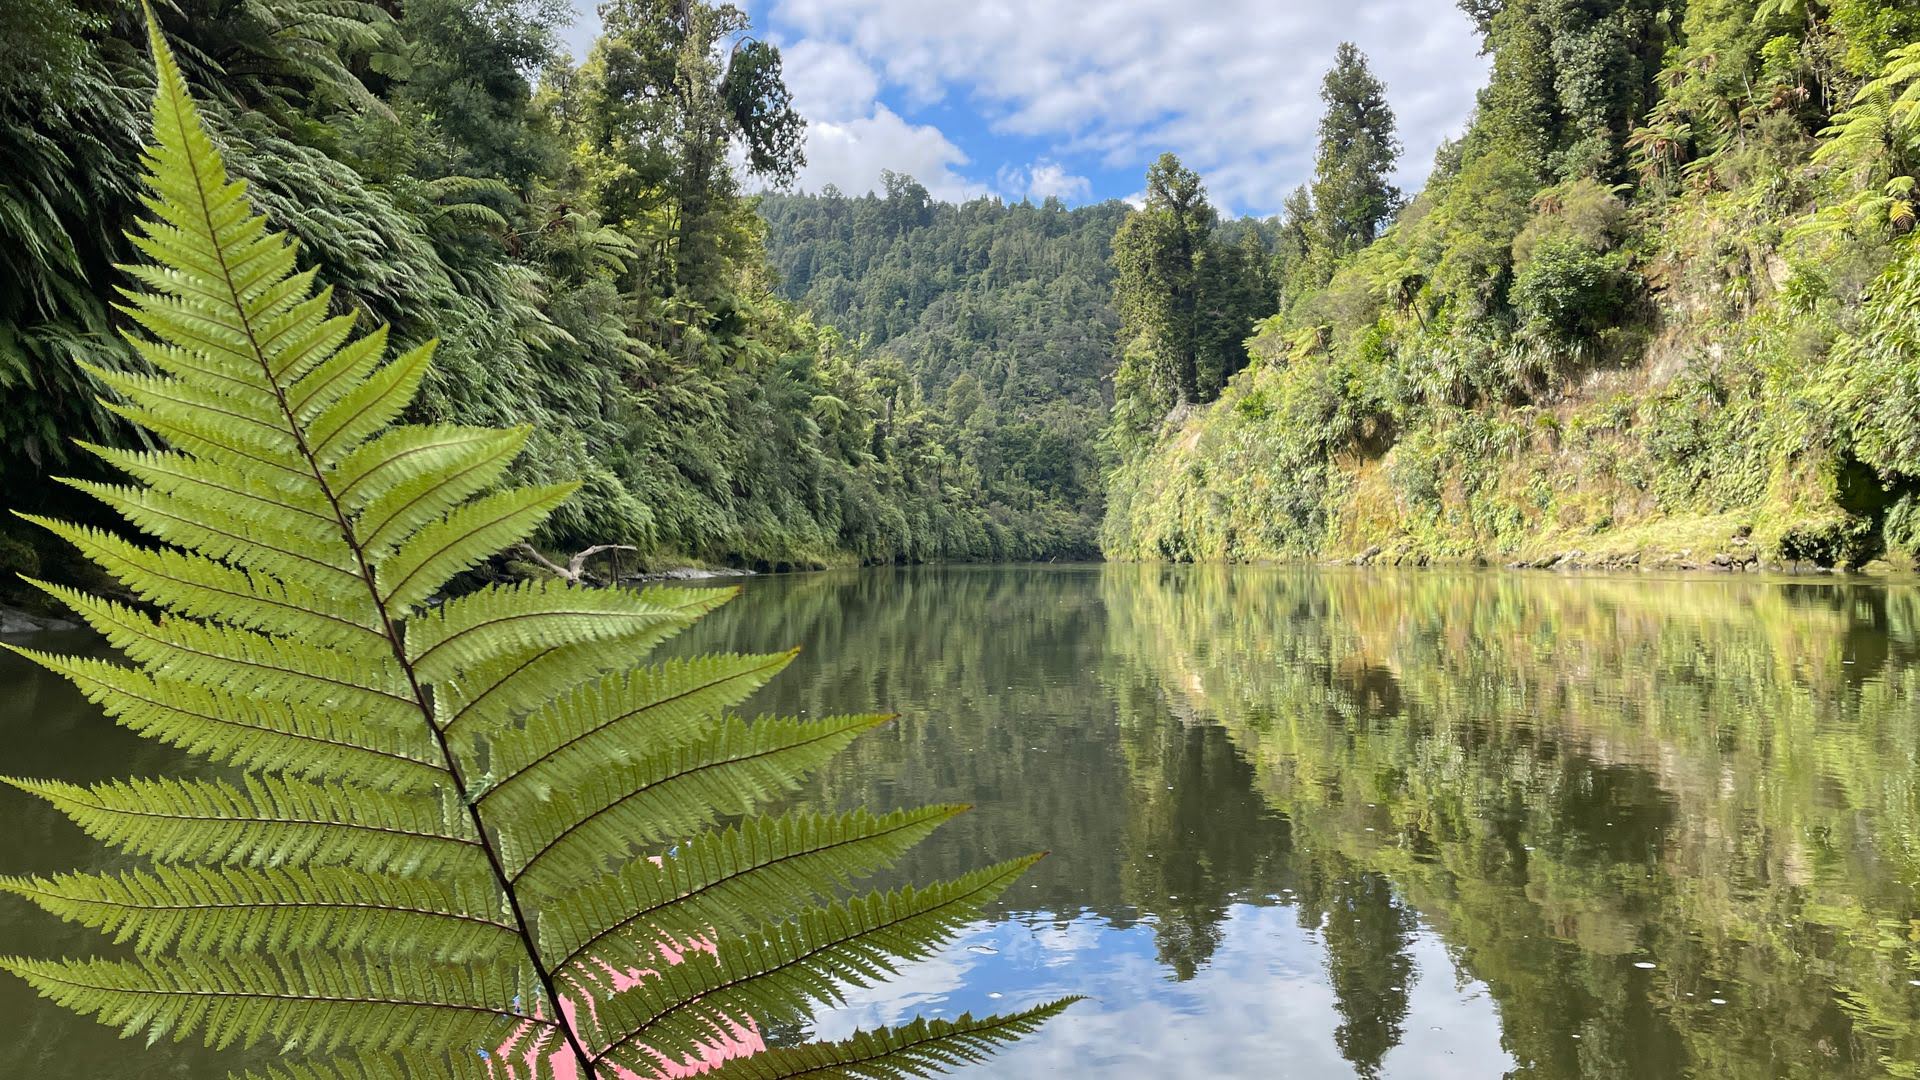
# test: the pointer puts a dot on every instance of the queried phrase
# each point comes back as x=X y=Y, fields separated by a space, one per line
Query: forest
x=1656 y=306
x=1655 y=302
x=1000 y=316
x=573 y=235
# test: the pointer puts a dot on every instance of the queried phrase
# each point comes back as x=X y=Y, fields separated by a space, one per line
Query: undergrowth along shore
x=1660 y=317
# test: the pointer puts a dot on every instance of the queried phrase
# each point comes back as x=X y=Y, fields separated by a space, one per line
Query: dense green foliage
x=1657 y=301
x=1188 y=297
x=1661 y=277
x=992 y=330
x=582 y=249
x=1352 y=195
x=1158 y=255
x=471 y=840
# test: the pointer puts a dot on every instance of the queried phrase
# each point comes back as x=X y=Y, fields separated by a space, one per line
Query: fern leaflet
x=455 y=841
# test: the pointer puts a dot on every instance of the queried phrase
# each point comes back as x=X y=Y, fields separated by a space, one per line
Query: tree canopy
x=576 y=237
x=1187 y=298
x=1353 y=194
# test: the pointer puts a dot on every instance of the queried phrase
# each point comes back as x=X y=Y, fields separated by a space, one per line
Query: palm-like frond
x=1875 y=143
x=456 y=838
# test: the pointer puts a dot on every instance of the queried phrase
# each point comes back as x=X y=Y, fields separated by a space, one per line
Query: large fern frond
x=1875 y=144
x=453 y=838
x=920 y=1046
x=780 y=971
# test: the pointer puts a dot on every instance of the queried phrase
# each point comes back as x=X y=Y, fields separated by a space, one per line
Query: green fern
x=452 y=840
x=1875 y=144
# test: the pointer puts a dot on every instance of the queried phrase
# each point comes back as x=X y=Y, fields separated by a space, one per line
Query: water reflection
x=1667 y=827
x=1321 y=823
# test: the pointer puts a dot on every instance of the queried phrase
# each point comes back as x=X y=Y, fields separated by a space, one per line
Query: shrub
x=1569 y=293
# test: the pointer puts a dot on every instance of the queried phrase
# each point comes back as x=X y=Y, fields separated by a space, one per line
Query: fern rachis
x=453 y=843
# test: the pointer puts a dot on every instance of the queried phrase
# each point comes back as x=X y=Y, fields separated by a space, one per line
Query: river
x=1312 y=823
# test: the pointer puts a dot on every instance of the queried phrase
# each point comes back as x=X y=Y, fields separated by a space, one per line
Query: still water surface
x=1314 y=823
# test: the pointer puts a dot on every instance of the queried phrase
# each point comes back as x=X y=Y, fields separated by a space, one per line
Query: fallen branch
x=576 y=569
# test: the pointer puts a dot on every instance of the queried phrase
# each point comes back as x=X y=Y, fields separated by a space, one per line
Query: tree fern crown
x=448 y=840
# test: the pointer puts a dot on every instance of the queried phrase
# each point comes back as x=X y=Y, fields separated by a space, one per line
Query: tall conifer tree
x=1353 y=194
x=1156 y=254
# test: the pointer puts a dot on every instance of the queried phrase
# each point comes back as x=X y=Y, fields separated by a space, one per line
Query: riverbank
x=25 y=614
x=1712 y=544
x=1600 y=479
x=14 y=621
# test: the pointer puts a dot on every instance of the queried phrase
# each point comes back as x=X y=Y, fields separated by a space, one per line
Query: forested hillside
x=1660 y=303
x=998 y=316
x=1004 y=316
x=1660 y=300
x=577 y=236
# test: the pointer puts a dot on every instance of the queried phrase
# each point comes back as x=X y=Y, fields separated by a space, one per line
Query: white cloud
x=1040 y=181
x=851 y=137
x=1231 y=85
x=829 y=81
x=850 y=154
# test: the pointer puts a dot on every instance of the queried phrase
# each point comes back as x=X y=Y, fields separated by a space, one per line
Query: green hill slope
x=561 y=228
x=999 y=317
x=1660 y=304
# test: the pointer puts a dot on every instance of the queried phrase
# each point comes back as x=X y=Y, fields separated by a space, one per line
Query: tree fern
x=457 y=840
x=1875 y=144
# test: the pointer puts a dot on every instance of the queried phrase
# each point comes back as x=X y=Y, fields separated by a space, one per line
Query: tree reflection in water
x=1561 y=777
x=1498 y=792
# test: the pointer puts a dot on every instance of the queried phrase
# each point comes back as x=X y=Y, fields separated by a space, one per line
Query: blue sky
x=1075 y=99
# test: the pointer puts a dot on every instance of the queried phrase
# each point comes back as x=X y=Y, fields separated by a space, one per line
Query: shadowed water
x=1316 y=823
